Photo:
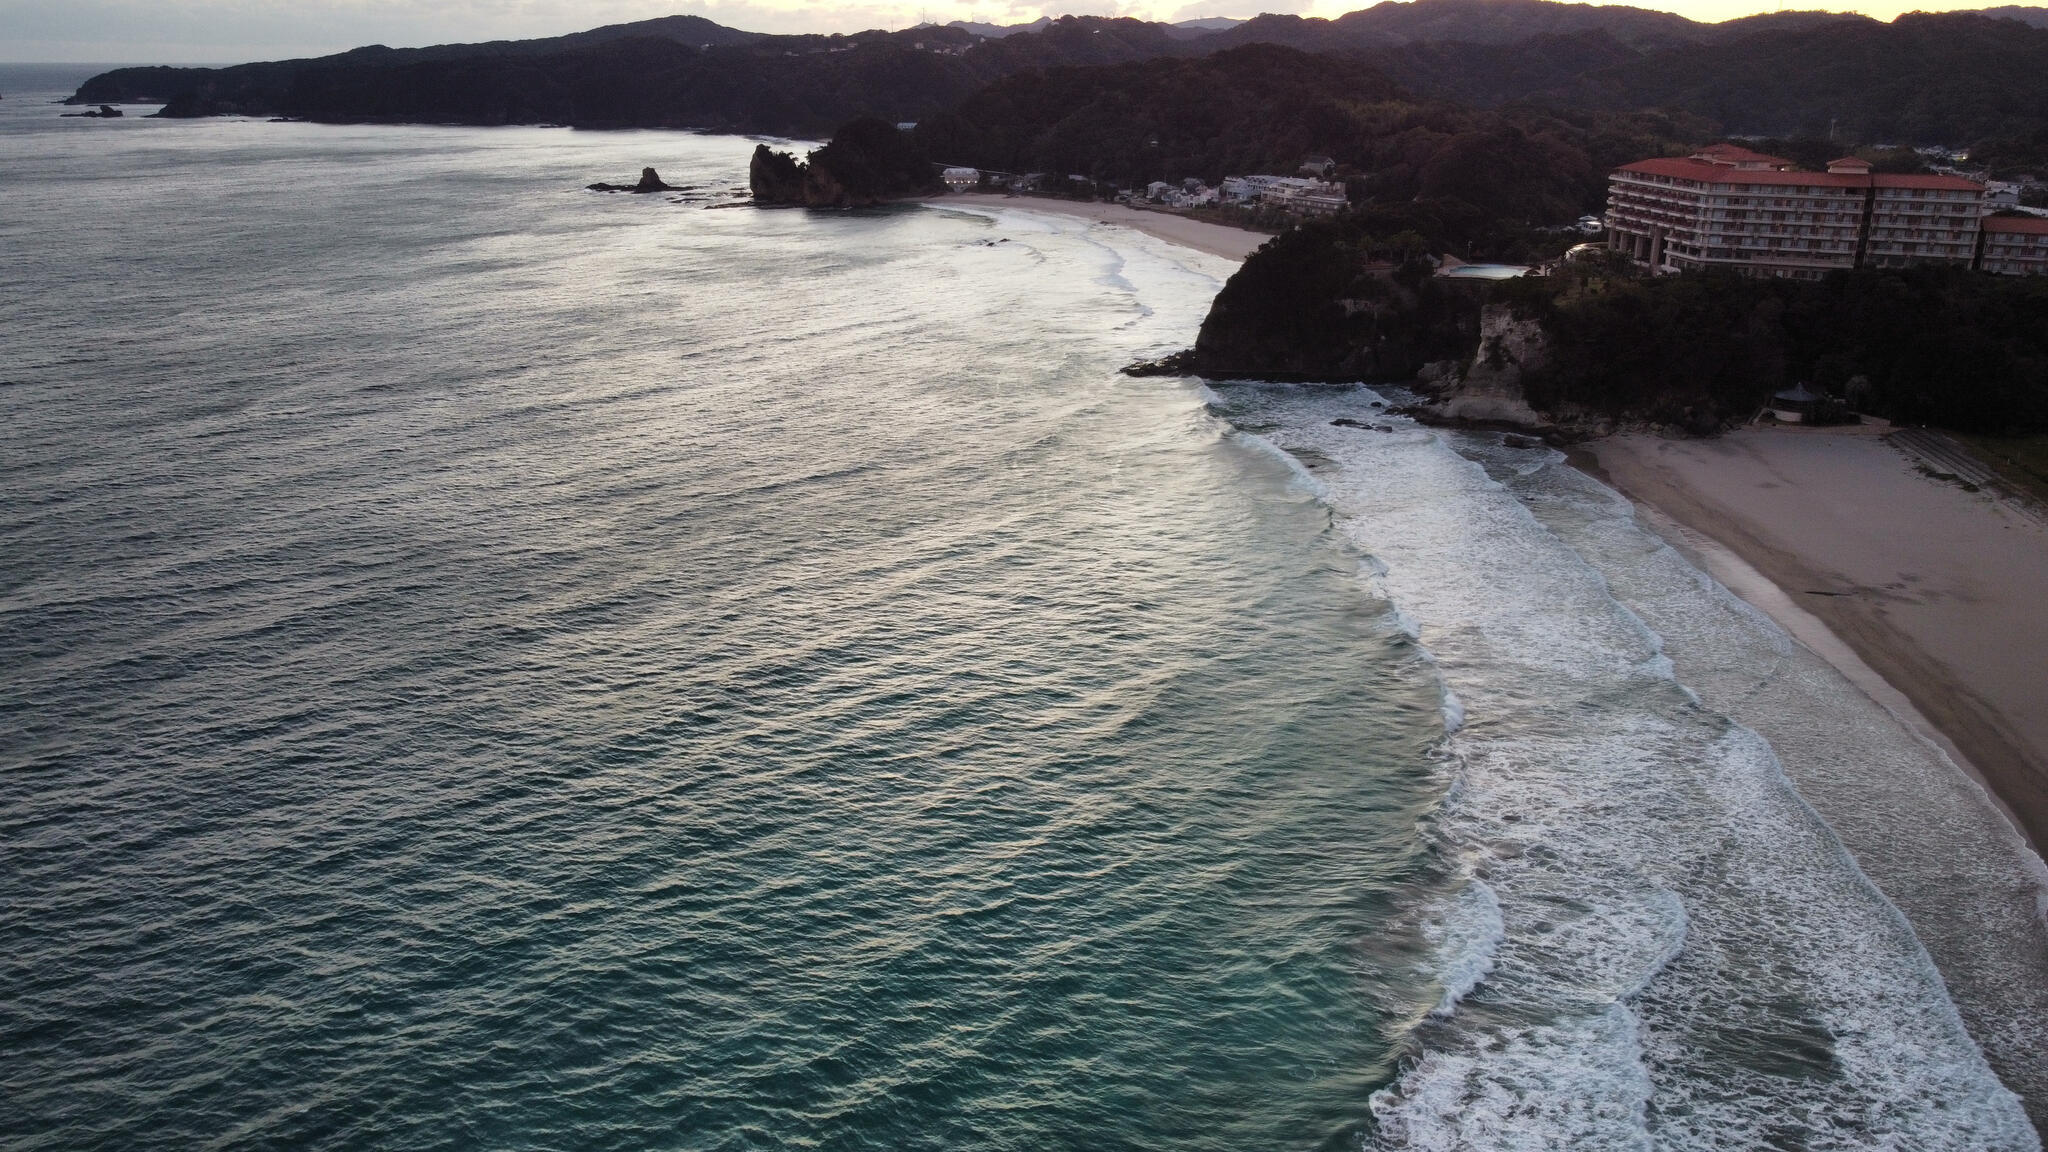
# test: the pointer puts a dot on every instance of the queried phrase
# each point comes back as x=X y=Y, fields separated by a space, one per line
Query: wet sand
x=1934 y=602
x=1201 y=235
x=1942 y=592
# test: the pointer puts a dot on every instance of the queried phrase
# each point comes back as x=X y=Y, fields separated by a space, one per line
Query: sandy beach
x=1201 y=235
x=1933 y=600
x=1942 y=592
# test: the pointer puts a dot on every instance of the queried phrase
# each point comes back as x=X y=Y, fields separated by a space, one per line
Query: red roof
x=1855 y=161
x=1953 y=183
x=2024 y=225
x=1707 y=173
x=1736 y=154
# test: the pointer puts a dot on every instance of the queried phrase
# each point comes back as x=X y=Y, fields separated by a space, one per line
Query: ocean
x=489 y=664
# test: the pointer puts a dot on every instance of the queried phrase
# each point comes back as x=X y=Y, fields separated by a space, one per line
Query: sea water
x=486 y=663
x=1673 y=949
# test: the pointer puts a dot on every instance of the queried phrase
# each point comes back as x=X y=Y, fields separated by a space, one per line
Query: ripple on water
x=503 y=670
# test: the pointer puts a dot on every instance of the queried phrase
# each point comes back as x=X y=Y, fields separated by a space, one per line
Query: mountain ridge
x=1952 y=78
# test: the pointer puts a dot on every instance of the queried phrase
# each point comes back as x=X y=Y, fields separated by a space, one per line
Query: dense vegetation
x=1327 y=301
x=1958 y=79
x=865 y=163
x=1928 y=345
x=1933 y=345
x=1954 y=79
x=1352 y=298
x=1262 y=108
x=1254 y=109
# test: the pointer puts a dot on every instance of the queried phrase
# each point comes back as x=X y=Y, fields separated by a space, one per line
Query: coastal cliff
x=1313 y=303
x=866 y=163
x=1595 y=345
x=1488 y=389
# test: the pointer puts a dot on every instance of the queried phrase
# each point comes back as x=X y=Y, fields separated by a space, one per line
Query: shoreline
x=1220 y=240
x=1739 y=576
x=1952 y=842
x=1807 y=527
x=1829 y=571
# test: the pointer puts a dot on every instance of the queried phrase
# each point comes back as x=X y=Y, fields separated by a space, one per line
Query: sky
x=231 y=31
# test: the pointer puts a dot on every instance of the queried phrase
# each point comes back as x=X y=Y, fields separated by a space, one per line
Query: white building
x=1289 y=193
x=961 y=179
x=1729 y=207
x=2016 y=246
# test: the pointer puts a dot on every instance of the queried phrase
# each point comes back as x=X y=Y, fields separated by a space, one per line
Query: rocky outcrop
x=1488 y=390
x=867 y=162
x=650 y=181
x=775 y=177
x=106 y=112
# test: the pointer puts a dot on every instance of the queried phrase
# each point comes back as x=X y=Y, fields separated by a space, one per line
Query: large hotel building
x=1729 y=207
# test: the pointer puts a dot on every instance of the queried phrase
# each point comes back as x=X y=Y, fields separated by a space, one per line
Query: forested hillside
x=1262 y=108
x=1956 y=79
x=677 y=72
x=1930 y=345
x=1950 y=79
x=1259 y=108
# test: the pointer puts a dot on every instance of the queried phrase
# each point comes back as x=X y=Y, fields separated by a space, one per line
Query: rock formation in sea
x=775 y=177
x=650 y=181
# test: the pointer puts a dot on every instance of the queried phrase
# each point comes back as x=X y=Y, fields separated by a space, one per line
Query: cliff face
x=775 y=177
x=1489 y=388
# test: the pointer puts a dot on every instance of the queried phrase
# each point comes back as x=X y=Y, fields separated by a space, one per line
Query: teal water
x=488 y=664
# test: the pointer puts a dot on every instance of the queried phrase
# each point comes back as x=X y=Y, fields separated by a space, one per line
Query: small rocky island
x=650 y=181
x=106 y=112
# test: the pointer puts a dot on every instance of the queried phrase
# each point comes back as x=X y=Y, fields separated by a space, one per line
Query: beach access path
x=1943 y=592
x=1201 y=235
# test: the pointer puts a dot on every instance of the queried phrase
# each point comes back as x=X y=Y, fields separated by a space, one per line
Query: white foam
x=1463 y=938
x=1300 y=479
x=1453 y=710
x=1540 y=1088
x=1687 y=958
